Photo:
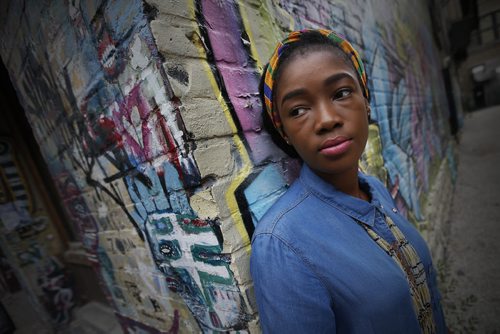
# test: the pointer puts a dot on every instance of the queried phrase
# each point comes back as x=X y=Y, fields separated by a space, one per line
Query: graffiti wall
x=148 y=116
x=30 y=246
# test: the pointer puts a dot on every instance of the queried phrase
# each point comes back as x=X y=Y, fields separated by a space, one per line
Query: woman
x=333 y=255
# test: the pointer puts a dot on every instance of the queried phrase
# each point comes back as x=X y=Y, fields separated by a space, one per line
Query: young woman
x=333 y=255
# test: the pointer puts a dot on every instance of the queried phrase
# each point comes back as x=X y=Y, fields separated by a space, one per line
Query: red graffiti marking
x=144 y=130
x=106 y=130
x=195 y=222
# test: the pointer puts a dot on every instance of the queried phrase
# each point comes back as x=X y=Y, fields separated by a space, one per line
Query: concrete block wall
x=148 y=116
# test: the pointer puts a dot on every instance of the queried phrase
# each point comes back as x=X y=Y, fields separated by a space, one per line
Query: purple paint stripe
x=240 y=80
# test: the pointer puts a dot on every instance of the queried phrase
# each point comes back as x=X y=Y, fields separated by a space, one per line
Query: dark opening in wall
x=18 y=127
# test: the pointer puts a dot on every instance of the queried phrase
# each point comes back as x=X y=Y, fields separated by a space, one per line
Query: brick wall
x=147 y=114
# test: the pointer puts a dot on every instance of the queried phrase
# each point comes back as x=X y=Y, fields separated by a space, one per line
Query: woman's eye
x=341 y=93
x=297 y=111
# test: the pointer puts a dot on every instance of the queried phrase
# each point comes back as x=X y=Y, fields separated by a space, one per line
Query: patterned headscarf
x=293 y=37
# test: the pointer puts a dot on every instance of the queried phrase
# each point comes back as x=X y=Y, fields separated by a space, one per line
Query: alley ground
x=472 y=284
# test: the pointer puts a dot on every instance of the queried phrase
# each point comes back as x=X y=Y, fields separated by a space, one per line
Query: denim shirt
x=316 y=270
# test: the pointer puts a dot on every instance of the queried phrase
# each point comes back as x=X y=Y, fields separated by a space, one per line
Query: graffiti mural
x=123 y=139
x=187 y=249
x=238 y=83
x=27 y=240
x=148 y=116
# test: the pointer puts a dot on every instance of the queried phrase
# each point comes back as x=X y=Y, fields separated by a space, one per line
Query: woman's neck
x=346 y=182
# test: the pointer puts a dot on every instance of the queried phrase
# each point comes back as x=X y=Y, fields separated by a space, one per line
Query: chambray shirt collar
x=356 y=208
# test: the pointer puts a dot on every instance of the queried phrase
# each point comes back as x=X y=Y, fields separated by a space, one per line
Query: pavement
x=90 y=318
x=470 y=276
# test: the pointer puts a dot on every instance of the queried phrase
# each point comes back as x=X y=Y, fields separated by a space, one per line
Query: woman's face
x=323 y=111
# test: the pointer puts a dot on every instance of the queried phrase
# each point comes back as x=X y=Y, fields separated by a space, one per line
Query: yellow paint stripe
x=292 y=22
x=268 y=18
x=248 y=29
x=245 y=170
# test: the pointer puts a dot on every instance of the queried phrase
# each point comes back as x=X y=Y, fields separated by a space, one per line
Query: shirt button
x=381 y=206
x=394 y=210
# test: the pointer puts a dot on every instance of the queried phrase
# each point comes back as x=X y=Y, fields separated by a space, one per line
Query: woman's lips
x=335 y=146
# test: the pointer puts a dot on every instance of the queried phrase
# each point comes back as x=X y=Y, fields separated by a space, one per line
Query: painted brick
x=204 y=119
x=214 y=157
x=174 y=40
x=162 y=97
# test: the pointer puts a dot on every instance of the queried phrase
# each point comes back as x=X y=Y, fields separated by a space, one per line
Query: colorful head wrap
x=293 y=37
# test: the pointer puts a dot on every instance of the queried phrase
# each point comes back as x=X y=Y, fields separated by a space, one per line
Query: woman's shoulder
x=372 y=180
x=378 y=187
x=281 y=211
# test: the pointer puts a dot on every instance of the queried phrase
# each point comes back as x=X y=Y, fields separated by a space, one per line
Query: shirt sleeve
x=290 y=297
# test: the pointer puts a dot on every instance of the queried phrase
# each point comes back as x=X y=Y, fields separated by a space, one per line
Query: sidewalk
x=91 y=318
x=472 y=274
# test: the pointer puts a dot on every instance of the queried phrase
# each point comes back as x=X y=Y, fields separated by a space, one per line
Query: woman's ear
x=286 y=139
x=284 y=136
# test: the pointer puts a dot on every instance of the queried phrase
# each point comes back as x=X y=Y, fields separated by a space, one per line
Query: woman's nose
x=327 y=118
